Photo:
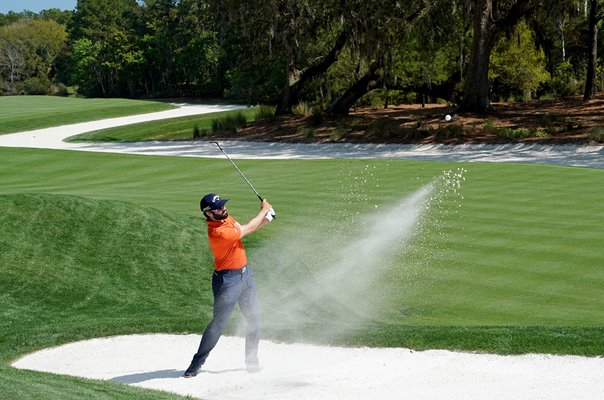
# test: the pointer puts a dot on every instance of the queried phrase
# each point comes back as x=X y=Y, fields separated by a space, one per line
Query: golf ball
x=447 y=117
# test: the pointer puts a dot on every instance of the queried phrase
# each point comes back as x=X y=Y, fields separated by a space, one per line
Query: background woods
x=329 y=56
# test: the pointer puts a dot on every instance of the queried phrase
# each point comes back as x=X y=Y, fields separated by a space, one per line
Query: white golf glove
x=270 y=215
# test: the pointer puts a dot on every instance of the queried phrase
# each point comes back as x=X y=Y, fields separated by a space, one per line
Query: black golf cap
x=212 y=201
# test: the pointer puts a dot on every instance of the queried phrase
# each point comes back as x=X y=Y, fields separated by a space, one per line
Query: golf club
x=272 y=212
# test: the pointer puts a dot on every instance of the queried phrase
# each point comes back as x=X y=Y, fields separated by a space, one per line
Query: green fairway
x=181 y=128
x=103 y=244
x=24 y=113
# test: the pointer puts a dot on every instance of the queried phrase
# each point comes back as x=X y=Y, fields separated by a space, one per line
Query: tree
x=12 y=61
x=489 y=23
x=300 y=37
x=517 y=63
x=7 y=19
x=592 y=51
x=107 y=25
x=297 y=30
x=62 y=17
x=179 y=46
x=29 y=48
x=376 y=32
x=87 y=71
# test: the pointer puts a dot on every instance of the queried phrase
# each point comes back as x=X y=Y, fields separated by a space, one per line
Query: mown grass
x=182 y=128
x=24 y=113
x=102 y=244
x=19 y=384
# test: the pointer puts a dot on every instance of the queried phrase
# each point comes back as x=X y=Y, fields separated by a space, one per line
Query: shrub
x=596 y=134
x=316 y=116
x=541 y=133
x=301 y=109
x=308 y=132
x=448 y=132
x=522 y=133
x=339 y=133
x=60 y=89
x=382 y=127
x=229 y=124
x=265 y=112
x=489 y=127
x=35 y=86
x=564 y=83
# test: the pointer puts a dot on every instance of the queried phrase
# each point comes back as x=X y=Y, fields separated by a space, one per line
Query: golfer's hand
x=268 y=209
x=265 y=206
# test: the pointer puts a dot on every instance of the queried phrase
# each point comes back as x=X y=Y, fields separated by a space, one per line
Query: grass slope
x=84 y=268
x=24 y=113
x=73 y=268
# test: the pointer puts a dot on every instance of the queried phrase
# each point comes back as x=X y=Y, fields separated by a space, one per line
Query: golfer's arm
x=255 y=223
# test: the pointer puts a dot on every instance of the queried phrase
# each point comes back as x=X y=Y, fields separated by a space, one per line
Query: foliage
x=265 y=111
x=521 y=133
x=596 y=134
x=35 y=86
x=517 y=64
x=309 y=132
x=229 y=124
x=86 y=73
x=563 y=82
x=103 y=48
x=288 y=52
x=29 y=49
x=255 y=83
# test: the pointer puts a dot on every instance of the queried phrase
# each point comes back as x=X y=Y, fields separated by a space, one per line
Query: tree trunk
x=489 y=24
x=343 y=104
x=476 y=85
x=297 y=79
x=592 y=52
x=289 y=97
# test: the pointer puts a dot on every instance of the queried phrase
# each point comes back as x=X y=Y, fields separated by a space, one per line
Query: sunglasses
x=213 y=209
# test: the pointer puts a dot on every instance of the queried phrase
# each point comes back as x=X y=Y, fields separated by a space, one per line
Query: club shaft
x=240 y=173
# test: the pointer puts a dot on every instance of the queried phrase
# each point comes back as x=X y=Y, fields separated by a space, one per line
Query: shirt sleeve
x=228 y=234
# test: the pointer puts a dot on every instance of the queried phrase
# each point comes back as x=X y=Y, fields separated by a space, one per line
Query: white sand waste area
x=53 y=138
x=300 y=371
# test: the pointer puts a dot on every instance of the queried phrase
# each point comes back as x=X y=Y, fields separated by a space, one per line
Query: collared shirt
x=225 y=243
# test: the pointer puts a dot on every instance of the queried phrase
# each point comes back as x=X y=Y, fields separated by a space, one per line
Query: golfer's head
x=213 y=207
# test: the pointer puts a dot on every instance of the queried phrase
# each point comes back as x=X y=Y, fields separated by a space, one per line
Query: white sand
x=296 y=371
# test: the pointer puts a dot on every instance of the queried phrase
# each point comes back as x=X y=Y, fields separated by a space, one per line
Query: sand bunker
x=298 y=371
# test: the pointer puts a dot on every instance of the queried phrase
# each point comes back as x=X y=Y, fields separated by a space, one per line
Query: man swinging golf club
x=232 y=280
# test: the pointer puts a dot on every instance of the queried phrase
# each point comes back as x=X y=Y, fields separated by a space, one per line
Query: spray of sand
x=331 y=278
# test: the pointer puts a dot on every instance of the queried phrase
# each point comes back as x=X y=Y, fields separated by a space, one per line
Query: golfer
x=232 y=280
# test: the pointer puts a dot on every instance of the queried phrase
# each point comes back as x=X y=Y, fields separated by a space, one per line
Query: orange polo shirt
x=226 y=245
